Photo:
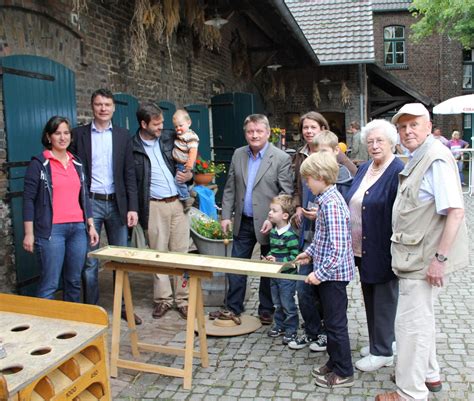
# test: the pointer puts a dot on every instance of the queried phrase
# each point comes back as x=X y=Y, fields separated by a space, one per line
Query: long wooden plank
x=189 y=261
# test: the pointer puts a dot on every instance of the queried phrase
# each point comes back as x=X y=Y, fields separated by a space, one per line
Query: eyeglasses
x=374 y=142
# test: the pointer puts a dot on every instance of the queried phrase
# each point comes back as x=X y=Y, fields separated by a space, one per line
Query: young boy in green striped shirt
x=283 y=248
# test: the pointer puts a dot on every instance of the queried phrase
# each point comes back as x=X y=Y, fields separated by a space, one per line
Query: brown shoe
x=434 y=387
x=159 y=310
x=390 y=397
x=266 y=318
x=183 y=311
x=138 y=320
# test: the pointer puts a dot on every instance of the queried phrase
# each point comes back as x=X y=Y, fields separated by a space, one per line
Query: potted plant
x=206 y=170
x=209 y=239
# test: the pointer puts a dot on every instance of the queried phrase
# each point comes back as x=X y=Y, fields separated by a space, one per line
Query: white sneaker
x=372 y=362
x=364 y=351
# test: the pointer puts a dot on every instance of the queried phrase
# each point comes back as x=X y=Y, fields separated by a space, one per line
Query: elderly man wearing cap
x=429 y=241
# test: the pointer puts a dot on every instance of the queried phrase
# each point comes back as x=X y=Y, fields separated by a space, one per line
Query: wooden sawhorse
x=195 y=312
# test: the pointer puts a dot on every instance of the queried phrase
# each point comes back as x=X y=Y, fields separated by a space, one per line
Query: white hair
x=388 y=129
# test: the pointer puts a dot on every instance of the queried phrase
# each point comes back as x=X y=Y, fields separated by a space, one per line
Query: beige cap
x=414 y=109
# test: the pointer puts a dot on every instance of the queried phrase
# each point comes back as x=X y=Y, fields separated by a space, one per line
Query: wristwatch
x=440 y=258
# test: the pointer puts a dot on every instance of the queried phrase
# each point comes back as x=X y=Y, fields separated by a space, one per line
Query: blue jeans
x=64 y=252
x=242 y=247
x=105 y=213
x=460 y=164
x=286 y=312
x=333 y=296
x=183 y=190
x=308 y=300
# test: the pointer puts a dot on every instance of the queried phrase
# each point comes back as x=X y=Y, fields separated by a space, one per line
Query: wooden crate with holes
x=54 y=350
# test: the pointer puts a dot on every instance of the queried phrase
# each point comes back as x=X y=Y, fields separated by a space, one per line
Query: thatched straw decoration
x=78 y=6
x=192 y=9
x=138 y=39
x=158 y=22
x=171 y=16
x=293 y=87
x=239 y=56
x=316 y=95
x=282 y=89
x=346 y=95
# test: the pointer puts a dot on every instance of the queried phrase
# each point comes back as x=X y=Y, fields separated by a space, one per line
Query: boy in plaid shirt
x=333 y=264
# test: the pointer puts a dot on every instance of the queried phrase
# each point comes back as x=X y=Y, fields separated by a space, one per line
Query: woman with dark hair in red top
x=57 y=214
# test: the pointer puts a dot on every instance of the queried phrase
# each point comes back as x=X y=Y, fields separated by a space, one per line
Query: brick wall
x=434 y=66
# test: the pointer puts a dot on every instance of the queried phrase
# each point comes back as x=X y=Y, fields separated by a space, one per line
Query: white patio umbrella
x=456 y=105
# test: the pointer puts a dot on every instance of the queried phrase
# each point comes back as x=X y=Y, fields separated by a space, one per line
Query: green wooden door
x=199 y=114
x=229 y=111
x=34 y=89
x=125 y=115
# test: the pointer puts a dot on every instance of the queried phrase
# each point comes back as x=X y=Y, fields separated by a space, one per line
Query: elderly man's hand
x=312 y=279
x=435 y=273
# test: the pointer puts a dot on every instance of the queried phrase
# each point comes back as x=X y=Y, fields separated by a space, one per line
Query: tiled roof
x=390 y=5
x=339 y=31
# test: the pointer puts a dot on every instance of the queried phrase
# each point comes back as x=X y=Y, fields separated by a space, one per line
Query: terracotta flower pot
x=203 y=179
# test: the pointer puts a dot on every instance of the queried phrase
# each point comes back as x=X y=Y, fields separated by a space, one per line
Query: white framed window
x=468 y=67
x=394 y=45
x=467 y=121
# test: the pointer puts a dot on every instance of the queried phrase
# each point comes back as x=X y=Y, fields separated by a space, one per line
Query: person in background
x=106 y=153
x=438 y=135
x=161 y=213
x=184 y=152
x=370 y=201
x=359 y=152
x=283 y=248
x=456 y=144
x=310 y=126
x=333 y=267
x=258 y=172
x=57 y=213
x=429 y=241
x=326 y=141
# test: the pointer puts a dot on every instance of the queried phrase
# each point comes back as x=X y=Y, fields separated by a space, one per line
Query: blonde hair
x=327 y=138
x=286 y=203
x=181 y=113
x=321 y=166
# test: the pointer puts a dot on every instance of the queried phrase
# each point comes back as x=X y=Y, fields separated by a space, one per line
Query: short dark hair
x=51 y=127
x=102 y=92
x=147 y=111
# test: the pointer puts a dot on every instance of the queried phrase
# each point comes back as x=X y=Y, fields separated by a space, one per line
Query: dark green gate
x=228 y=114
x=34 y=89
x=125 y=112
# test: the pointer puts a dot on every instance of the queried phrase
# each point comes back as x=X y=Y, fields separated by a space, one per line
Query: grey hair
x=388 y=129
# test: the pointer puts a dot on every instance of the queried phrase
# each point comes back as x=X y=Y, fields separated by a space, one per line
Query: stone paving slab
x=256 y=367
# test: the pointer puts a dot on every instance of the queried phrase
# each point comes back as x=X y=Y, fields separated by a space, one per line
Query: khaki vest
x=417 y=228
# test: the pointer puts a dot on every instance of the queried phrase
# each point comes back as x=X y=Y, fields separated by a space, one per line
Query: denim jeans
x=308 y=301
x=460 y=164
x=286 y=312
x=64 y=252
x=242 y=247
x=105 y=213
x=183 y=190
x=333 y=296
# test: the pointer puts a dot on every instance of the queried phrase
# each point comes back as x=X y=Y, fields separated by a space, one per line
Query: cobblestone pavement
x=256 y=367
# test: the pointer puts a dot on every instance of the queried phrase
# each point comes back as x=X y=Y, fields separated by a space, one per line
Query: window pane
x=399 y=47
x=467 y=77
x=388 y=32
x=400 y=58
x=467 y=121
x=399 y=32
x=389 y=58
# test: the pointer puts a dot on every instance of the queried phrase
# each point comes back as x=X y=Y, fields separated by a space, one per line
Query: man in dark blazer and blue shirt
x=106 y=154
